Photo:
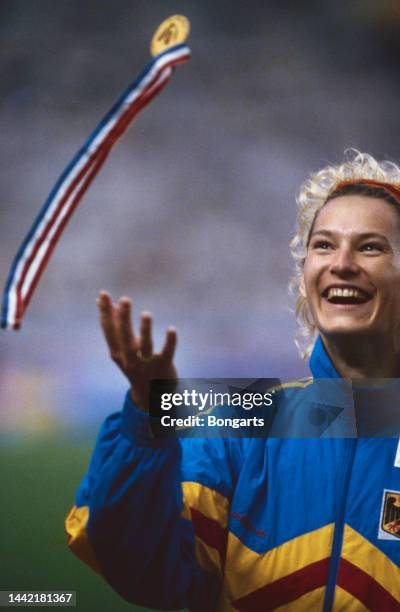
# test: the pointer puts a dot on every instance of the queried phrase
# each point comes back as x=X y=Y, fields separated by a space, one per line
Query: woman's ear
x=302 y=287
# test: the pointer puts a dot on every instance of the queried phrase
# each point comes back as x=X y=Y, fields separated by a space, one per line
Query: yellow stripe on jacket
x=78 y=541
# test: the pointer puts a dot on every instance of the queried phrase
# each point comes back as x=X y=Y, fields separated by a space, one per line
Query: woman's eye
x=322 y=244
x=371 y=246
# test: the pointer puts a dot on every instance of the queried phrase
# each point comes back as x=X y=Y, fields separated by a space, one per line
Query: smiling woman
x=348 y=230
x=351 y=281
x=277 y=522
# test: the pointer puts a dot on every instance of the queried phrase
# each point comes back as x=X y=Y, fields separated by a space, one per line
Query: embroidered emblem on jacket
x=389 y=526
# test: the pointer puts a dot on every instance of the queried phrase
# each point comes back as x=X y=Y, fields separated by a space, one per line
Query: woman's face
x=351 y=275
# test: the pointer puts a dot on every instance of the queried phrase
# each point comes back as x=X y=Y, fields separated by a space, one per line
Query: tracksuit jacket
x=249 y=524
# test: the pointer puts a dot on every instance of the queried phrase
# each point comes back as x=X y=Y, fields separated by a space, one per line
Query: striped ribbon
x=39 y=243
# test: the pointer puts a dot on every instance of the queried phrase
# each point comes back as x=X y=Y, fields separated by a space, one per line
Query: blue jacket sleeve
x=151 y=515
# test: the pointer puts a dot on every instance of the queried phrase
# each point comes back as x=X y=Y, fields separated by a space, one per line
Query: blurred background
x=191 y=215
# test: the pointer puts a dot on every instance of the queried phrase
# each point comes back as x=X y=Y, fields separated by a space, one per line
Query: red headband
x=393 y=190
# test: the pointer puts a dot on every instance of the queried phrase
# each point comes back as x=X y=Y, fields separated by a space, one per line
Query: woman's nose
x=344 y=262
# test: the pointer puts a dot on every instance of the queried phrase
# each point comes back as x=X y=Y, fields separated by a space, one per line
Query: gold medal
x=172 y=31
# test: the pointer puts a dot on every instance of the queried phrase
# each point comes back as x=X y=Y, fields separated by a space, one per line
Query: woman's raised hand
x=134 y=353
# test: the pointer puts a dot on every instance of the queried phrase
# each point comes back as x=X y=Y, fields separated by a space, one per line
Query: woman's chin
x=349 y=329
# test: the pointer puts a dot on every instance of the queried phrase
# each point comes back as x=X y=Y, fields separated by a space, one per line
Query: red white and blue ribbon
x=47 y=228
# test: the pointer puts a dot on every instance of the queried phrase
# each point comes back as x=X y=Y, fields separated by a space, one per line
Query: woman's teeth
x=340 y=293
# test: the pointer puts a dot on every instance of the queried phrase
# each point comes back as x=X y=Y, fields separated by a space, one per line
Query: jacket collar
x=333 y=393
x=340 y=394
x=320 y=363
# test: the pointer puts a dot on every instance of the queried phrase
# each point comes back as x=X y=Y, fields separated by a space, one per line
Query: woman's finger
x=146 y=341
x=169 y=347
x=107 y=321
x=126 y=332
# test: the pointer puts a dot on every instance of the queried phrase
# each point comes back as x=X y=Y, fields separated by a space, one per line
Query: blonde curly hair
x=314 y=193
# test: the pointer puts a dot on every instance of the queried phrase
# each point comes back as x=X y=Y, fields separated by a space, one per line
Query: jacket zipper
x=339 y=528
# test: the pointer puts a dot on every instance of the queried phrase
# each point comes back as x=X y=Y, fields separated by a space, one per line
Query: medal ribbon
x=35 y=251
